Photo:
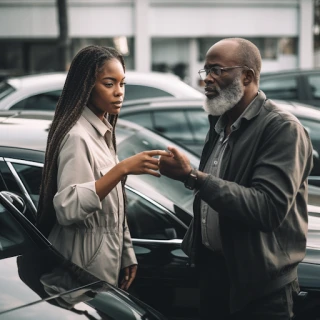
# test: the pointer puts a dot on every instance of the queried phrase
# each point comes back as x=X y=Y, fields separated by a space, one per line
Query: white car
x=42 y=91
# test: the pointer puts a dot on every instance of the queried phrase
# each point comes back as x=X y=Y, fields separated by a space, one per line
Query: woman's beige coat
x=90 y=232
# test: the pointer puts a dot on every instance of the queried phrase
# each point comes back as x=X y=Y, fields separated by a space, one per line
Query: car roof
x=281 y=73
x=163 y=101
x=34 y=126
x=55 y=80
x=28 y=82
x=301 y=110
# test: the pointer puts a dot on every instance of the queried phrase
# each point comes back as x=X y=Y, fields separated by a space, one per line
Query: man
x=250 y=209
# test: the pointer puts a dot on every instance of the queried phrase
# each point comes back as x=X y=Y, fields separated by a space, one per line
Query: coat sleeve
x=279 y=173
x=76 y=197
x=128 y=255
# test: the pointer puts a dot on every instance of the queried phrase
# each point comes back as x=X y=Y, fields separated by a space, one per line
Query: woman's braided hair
x=76 y=91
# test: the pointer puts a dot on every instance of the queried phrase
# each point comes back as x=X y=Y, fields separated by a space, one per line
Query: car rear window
x=5 y=89
x=284 y=88
x=314 y=82
x=43 y=101
x=142 y=91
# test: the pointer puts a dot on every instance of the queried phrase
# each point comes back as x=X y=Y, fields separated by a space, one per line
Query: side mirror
x=171 y=233
x=16 y=200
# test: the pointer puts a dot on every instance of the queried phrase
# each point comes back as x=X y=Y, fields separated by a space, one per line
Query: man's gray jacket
x=261 y=199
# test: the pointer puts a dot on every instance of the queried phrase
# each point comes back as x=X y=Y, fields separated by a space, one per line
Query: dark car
x=39 y=283
x=159 y=211
x=185 y=121
x=296 y=85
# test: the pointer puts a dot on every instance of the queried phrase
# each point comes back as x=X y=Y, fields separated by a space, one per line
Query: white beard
x=226 y=99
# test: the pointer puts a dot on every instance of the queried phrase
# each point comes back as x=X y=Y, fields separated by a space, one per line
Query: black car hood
x=44 y=285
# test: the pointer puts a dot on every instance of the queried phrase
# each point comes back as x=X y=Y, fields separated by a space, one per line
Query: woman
x=81 y=205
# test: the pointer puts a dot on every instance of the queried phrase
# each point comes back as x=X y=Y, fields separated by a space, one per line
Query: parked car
x=185 y=121
x=296 y=85
x=37 y=282
x=42 y=91
x=158 y=212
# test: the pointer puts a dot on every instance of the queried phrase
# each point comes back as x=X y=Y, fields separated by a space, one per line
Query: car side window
x=13 y=238
x=142 y=118
x=134 y=91
x=147 y=221
x=43 y=101
x=173 y=124
x=199 y=122
x=31 y=179
x=284 y=88
x=314 y=82
x=313 y=129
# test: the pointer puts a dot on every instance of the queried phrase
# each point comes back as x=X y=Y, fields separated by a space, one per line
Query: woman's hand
x=141 y=163
x=146 y=162
x=129 y=273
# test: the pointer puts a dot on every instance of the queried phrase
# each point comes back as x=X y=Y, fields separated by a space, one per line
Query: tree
x=63 y=40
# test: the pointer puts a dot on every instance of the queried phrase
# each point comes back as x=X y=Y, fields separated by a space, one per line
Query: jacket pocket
x=92 y=245
x=110 y=206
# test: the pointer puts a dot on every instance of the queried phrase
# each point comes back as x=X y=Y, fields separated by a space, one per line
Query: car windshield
x=133 y=142
x=5 y=89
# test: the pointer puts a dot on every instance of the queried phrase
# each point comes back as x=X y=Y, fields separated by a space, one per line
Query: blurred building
x=163 y=35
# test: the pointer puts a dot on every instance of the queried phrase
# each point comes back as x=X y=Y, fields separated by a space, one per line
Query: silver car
x=42 y=91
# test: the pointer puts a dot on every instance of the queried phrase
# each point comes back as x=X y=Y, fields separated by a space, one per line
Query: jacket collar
x=101 y=126
x=252 y=110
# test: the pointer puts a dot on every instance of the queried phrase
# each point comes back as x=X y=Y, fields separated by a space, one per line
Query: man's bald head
x=242 y=52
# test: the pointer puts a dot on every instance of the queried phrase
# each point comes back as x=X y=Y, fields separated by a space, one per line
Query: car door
x=157 y=234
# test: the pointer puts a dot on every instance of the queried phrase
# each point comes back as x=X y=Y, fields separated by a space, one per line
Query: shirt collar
x=101 y=126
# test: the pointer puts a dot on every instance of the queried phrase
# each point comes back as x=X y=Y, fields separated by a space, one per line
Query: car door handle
x=171 y=241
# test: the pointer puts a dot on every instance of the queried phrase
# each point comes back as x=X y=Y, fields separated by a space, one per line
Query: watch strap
x=191 y=180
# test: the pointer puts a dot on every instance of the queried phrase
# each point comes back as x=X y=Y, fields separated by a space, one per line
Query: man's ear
x=249 y=77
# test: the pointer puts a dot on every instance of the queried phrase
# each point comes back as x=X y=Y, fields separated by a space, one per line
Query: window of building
x=124 y=44
x=270 y=48
x=20 y=57
x=42 y=57
x=171 y=55
x=11 y=58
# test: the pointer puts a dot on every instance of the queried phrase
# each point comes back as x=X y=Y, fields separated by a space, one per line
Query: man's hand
x=129 y=273
x=176 y=167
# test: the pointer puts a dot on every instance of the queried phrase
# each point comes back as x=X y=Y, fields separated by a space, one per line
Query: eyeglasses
x=203 y=73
